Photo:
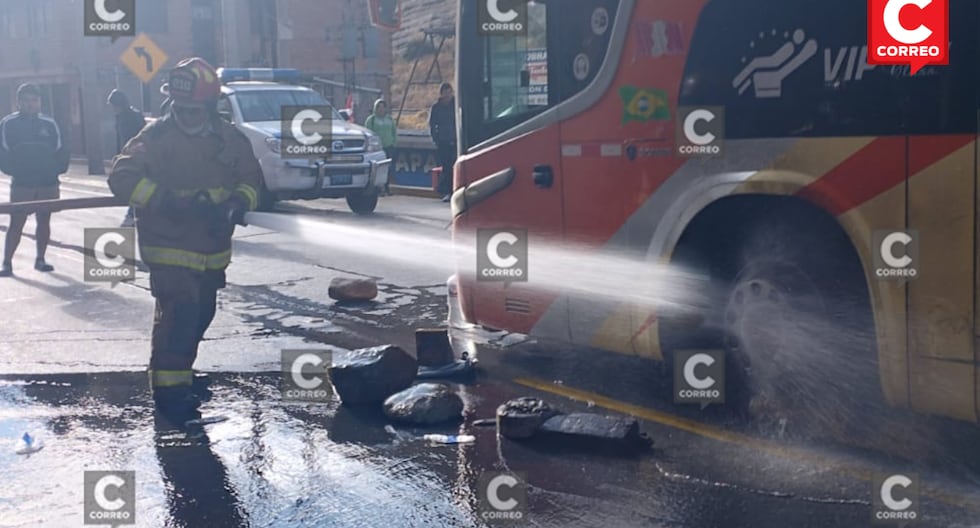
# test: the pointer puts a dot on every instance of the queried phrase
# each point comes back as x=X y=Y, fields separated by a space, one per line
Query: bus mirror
x=525 y=78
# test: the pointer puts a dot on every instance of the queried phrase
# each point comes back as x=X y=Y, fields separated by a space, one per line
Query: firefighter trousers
x=186 y=302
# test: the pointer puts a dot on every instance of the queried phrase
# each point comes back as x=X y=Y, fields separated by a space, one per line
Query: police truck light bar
x=285 y=75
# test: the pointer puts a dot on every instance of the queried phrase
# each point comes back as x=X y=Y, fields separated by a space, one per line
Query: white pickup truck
x=357 y=168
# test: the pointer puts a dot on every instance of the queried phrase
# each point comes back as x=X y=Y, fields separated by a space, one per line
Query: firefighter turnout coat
x=163 y=158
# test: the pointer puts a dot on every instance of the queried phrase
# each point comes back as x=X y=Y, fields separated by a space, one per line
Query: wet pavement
x=71 y=377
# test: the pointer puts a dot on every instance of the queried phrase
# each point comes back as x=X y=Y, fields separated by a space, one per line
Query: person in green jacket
x=383 y=125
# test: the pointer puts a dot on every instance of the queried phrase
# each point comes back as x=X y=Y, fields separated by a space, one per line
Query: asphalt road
x=71 y=375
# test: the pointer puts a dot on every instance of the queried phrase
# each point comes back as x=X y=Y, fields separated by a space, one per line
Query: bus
x=832 y=202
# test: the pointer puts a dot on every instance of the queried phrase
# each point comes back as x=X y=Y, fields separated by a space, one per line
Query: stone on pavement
x=432 y=347
x=369 y=375
x=342 y=289
x=521 y=417
x=597 y=429
x=425 y=403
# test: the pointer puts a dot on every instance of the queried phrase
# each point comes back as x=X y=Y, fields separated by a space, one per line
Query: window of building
x=151 y=16
x=39 y=18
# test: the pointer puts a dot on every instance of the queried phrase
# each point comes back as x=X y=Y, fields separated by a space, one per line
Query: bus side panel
x=940 y=298
x=618 y=153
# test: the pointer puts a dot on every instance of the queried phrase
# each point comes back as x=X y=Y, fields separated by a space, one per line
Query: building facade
x=42 y=41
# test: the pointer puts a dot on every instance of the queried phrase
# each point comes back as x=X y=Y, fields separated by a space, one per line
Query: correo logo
x=502 y=17
x=700 y=131
x=306 y=132
x=699 y=377
x=895 y=499
x=110 y=18
x=502 y=255
x=913 y=32
x=896 y=254
x=305 y=375
x=110 y=497
x=503 y=498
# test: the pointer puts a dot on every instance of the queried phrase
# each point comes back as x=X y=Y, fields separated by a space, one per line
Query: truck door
x=942 y=215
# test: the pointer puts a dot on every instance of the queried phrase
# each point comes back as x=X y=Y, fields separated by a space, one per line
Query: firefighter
x=191 y=177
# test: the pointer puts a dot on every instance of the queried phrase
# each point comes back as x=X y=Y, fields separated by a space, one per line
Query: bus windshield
x=517 y=76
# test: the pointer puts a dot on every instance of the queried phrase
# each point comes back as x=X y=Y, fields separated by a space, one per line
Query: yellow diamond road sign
x=144 y=58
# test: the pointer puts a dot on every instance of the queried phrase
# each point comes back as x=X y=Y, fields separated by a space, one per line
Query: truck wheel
x=363 y=202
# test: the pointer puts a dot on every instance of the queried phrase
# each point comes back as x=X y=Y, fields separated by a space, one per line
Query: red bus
x=832 y=203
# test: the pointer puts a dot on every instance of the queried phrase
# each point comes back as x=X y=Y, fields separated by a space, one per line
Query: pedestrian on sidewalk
x=34 y=154
x=442 y=127
x=191 y=176
x=383 y=125
x=129 y=122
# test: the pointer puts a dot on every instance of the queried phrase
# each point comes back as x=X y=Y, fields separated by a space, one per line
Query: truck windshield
x=266 y=105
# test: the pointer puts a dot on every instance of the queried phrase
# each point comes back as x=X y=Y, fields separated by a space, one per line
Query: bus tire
x=791 y=309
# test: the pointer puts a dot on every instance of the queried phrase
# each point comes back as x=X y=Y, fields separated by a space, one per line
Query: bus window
x=521 y=76
x=784 y=71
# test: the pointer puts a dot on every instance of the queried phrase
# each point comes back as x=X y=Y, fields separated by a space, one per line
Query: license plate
x=349 y=158
x=341 y=179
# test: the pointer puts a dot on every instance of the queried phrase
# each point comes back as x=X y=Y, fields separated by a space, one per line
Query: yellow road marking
x=721 y=435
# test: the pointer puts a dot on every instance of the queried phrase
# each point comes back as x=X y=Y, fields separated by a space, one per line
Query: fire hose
x=50 y=206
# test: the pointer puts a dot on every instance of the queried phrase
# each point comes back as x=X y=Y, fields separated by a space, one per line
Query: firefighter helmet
x=194 y=81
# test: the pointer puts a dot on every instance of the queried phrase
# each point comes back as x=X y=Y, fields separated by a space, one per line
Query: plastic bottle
x=450 y=439
x=29 y=444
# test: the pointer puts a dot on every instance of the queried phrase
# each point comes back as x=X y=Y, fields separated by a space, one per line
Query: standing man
x=442 y=127
x=129 y=122
x=191 y=177
x=34 y=153
x=383 y=125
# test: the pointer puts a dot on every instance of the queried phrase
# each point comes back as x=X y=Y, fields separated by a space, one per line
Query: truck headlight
x=373 y=143
x=274 y=144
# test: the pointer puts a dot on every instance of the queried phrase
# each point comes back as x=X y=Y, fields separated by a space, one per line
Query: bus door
x=942 y=222
x=510 y=159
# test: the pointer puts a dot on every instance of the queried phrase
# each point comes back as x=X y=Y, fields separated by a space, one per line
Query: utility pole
x=92 y=106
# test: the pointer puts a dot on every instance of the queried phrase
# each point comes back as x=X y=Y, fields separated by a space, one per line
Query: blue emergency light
x=283 y=75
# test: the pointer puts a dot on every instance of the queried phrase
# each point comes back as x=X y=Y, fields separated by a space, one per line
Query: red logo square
x=913 y=32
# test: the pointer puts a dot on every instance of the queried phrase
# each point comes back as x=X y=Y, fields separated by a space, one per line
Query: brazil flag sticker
x=644 y=104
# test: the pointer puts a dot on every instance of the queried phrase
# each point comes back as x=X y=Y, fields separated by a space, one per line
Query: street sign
x=144 y=58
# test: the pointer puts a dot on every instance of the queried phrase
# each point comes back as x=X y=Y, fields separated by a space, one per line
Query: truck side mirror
x=525 y=78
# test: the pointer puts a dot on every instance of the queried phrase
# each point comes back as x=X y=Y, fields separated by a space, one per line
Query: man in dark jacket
x=129 y=122
x=34 y=153
x=442 y=127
